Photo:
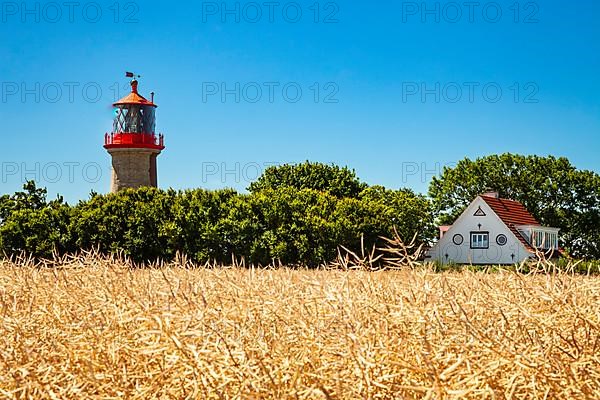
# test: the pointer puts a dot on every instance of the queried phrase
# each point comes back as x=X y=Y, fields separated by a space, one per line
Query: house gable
x=504 y=246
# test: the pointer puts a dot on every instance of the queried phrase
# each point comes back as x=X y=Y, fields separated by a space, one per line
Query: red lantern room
x=135 y=123
x=133 y=143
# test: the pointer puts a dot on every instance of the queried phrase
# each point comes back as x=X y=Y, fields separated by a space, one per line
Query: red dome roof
x=134 y=97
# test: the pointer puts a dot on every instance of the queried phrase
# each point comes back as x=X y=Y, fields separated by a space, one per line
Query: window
x=480 y=240
x=457 y=239
x=545 y=240
x=501 y=239
x=134 y=119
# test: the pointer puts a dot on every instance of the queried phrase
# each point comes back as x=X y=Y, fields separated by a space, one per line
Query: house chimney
x=491 y=193
x=443 y=230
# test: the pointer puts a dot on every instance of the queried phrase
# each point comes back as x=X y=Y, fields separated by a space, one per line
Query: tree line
x=298 y=214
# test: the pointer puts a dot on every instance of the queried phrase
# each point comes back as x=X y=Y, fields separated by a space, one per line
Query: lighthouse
x=133 y=143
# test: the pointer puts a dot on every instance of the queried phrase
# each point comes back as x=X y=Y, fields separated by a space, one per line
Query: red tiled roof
x=512 y=213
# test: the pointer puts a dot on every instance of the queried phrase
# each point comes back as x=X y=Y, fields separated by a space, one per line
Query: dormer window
x=540 y=237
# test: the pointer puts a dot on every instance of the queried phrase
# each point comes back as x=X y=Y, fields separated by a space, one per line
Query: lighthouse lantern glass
x=133 y=118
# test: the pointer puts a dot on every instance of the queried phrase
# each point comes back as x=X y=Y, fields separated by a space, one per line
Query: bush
x=292 y=225
x=337 y=181
x=136 y=222
x=31 y=224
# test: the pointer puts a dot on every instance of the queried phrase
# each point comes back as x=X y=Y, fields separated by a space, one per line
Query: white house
x=493 y=231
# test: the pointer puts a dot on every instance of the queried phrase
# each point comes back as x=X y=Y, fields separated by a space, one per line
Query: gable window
x=479 y=213
x=457 y=239
x=480 y=240
x=501 y=239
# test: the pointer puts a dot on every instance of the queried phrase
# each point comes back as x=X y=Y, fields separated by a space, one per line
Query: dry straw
x=93 y=327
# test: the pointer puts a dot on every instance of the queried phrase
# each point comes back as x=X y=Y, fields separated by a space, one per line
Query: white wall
x=467 y=223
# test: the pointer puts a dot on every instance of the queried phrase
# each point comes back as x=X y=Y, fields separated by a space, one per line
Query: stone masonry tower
x=133 y=144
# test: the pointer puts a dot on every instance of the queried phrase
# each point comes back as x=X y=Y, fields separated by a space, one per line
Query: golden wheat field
x=96 y=328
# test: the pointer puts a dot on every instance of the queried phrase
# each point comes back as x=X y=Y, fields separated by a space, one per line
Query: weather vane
x=132 y=75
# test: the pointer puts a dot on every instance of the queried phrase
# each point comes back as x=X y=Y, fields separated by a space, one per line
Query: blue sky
x=395 y=90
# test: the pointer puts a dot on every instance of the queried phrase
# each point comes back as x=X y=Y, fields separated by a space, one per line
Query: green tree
x=409 y=213
x=200 y=225
x=292 y=226
x=137 y=222
x=552 y=189
x=581 y=230
x=31 y=224
x=378 y=213
x=335 y=180
x=287 y=223
x=31 y=198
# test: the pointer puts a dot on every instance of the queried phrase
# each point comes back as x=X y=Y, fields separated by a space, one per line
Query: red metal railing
x=134 y=140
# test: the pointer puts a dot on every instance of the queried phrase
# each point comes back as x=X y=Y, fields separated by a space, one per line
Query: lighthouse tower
x=133 y=143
